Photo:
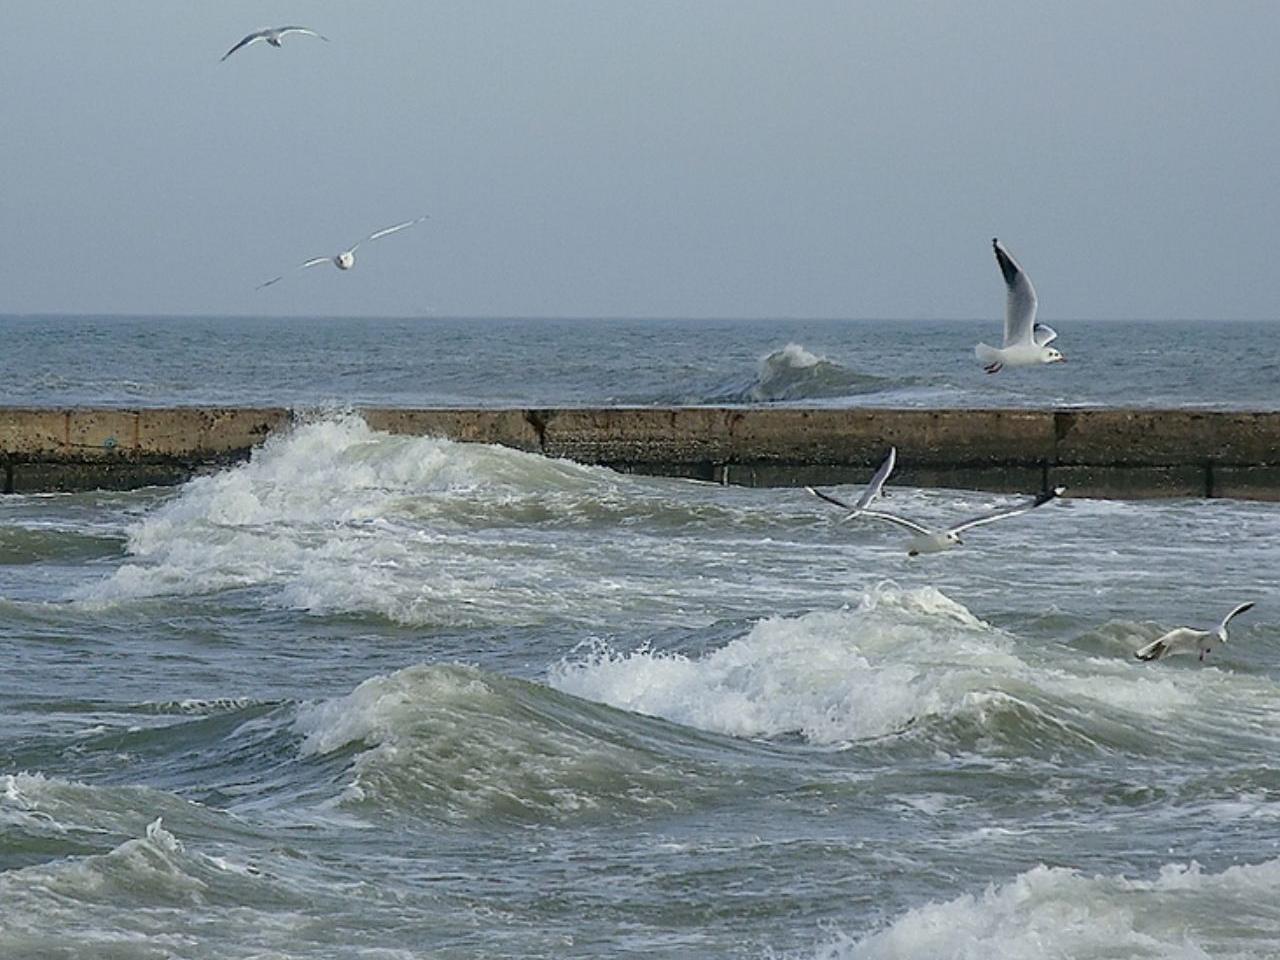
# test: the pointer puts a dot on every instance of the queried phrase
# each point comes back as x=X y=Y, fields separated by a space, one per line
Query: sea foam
x=334 y=517
x=831 y=676
x=1054 y=912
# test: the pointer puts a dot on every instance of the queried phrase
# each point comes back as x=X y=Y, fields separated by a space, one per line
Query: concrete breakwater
x=1096 y=452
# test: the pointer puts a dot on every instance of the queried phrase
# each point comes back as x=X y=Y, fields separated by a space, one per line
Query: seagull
x=872 y=490
x=1189 y=640
x=1026 y=342
x=273 y=36
x=347 y=258
x=935 y=541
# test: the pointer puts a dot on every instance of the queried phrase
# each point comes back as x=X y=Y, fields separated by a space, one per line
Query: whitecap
x=1055 y=912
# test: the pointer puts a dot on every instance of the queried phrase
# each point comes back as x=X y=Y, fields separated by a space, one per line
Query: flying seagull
x=1189 y=640
x=273 y=36
x=347 y=258
x=934 y=541
x=872 y=490
x=1026 y=342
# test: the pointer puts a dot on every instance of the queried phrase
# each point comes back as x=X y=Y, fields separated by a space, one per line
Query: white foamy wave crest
x=793 y=355
x=791 y=374
x=831 y=676
x=338 y=517
x=905 y=656
x=794 y=373
x=1055 y=913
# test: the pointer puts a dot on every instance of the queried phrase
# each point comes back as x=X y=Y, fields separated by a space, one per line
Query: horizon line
x=606 y=318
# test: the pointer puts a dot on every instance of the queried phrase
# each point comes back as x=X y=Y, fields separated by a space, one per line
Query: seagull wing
x=897 y=521
x=1222 y=627
x=1181 y=640
x=869 y=493
x=1044 y=334
x=388 y=230
x=1013 y=511
x=829 y=498
x=281 y=31
x=251 y=38
x=876 y=484
x=1020 y=308
x=302 y=266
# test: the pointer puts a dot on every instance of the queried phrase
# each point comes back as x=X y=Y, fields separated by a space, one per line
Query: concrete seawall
x=1099 y=453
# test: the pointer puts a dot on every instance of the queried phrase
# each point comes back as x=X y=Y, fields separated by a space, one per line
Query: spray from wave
x=334 y=517
x=830 y=676
x=908 y=662
x=1052 y=912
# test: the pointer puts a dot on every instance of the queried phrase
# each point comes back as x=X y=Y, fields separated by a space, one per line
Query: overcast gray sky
x=685 y=158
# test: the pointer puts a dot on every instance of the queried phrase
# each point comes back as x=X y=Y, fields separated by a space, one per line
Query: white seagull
x=273 y=36
x=872 y=490
x=347 y=258
x=935 y=541
x=1189 y=640
x=1026 y=342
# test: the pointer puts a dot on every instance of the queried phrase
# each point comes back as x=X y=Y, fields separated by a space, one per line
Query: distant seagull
x=1188 y=640
x=273 y=36
x=347 y=258
x=931 y=541
x=872 y=490
x=1026 y=342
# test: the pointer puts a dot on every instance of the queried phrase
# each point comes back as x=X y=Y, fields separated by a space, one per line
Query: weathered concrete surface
x=80 y=448
x=1109 y=453
x=510 y=428
x=86 y=434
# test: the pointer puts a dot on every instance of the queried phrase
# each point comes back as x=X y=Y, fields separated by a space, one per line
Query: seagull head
x=345 y=260
x=1052 y=355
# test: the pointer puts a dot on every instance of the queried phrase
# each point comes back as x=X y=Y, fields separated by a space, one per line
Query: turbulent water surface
x=125 y=361
x=388 y=697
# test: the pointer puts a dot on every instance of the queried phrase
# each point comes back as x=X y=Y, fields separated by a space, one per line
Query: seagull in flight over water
x=273 y=36
x=926 y=540
x=1026 y=342
x=347 y=258
x=1188 y=640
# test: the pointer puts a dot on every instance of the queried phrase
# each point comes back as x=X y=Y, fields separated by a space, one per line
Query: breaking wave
x=451 y=742
x=1052 y=912
x=794 y=374
x=909 y=662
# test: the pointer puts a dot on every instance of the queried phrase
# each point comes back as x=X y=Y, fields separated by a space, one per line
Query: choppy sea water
x=388 y=697
x=157 y=361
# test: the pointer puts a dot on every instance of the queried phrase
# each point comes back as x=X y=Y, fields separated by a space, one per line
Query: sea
x=392 y=697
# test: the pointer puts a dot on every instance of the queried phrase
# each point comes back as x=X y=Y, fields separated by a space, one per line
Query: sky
x=650 y=158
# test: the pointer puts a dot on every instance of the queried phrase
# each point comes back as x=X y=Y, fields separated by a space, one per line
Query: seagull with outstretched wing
x=925 y=540
x=1189 y=640
x=347 y=258
x=1026 y=342
x=272 y=35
